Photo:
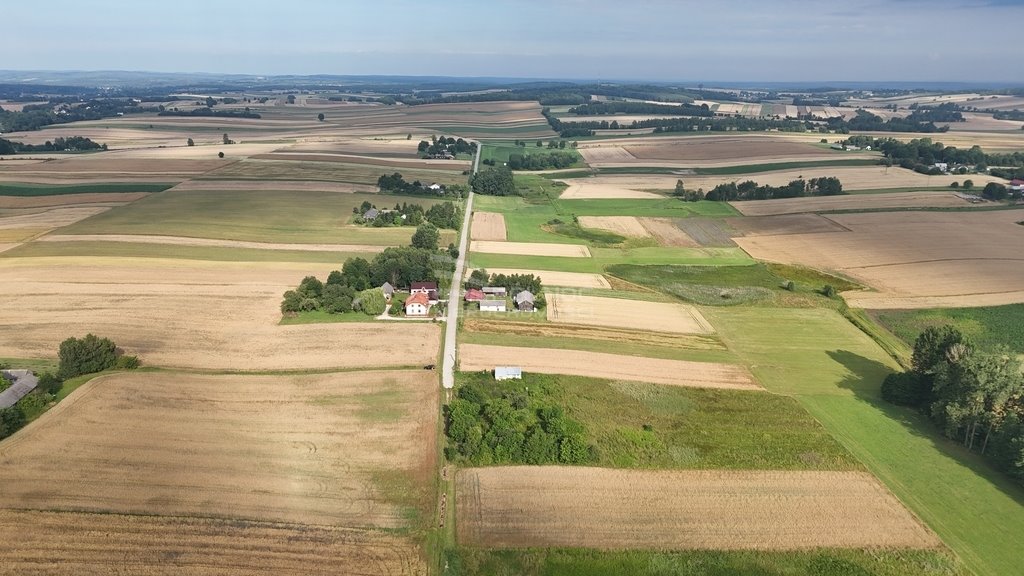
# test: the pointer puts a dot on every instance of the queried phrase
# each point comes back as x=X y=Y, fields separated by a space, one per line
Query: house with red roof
x=417 y=304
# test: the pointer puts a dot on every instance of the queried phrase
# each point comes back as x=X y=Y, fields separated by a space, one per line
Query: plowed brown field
x=555 y=506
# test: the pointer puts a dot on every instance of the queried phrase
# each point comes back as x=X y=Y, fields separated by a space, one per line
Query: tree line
x=975 y=396
x=496 y=424
x=396 y=184
x=545 y=161
x=37 y=116
x=610 y=107
x=71 y=143
x=209 y=112
x=750 y=190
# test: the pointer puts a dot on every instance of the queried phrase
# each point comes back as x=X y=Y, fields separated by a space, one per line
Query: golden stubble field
x=489 y=226
x=530 y=248
x=344 y=451
x=887 y=200
x=556 y=506
x=629 y=314
x=690 y=151
x=191 y=314
x=612 y=366
x=913 y=259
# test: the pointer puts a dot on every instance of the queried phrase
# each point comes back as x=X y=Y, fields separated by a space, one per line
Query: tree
x=931 y=347
x=995 y=191
x=680 y=189
x=85 y=356
x=227 y=140
x=191 y=142
x=426 y=237
x=968 y=184
x=320 y=116
x=356 y=273
x=220 y=154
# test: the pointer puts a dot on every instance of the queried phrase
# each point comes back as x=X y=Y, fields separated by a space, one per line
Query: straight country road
x=455 y=294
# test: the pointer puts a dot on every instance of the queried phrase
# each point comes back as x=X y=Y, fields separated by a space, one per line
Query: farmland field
x=598 y=365
x=530 y=249
x=183 y=313
x=934 y=199
x=630 y=314
x=599 y=508
x=986 y=327
x=628 y=226
x=488 y=226
x=275 y=453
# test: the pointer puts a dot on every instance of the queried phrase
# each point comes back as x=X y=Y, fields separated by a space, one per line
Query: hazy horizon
x=795 y=41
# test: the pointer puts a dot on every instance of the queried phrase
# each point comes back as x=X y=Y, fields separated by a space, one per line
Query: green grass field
x=572 y=562
x=142 y=250
x=987 y=327
x=256 y=216
x=834 y=370
x=603 y=257
x=20 y=189
x=637 y=425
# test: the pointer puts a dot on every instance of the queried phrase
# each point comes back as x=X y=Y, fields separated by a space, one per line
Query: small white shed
x=508 y=373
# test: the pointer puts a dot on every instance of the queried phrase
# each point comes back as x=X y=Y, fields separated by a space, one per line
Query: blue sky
x=728 y=40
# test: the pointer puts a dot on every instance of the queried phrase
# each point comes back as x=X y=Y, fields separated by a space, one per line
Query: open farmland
x=103 y=168
x=628 y=226
x=335 y=172
x=186 y=241
x=553 y=278
x=313 y=217
x=531 y=249
x=613 y=366
x=923 y=199
x=634 y=314
x=616 y=509
x=583 y=189
x=488 y=226
x=706 y=151
x=270 y=453
x=668 y=232
x=912 y=258
x=192 y=314
x=49 y=201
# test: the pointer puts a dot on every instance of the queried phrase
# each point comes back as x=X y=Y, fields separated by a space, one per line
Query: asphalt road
x=455 y=295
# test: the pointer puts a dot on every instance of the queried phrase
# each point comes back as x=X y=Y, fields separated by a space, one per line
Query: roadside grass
x=736 y=285
x=143 y=250
x=986 y=326
x=835 y=370
x=466 y=561
x=24 y=189
x=639 y=425
x=256 y=216
x=603 y=257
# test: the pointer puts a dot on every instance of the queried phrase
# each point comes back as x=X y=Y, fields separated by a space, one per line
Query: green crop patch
x=19 y=189
x=986 y=326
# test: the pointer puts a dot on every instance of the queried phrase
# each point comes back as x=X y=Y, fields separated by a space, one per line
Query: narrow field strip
x=633 y=314
x=612 y=366
x=488 y=226
x=565 y=279
x=185 y=241
x=529 y=506
x=530 y=249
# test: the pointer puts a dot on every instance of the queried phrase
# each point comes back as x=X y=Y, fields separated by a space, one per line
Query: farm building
x=388 y=291
x=474 y=295
x=1017 y=185
x=493 y=305
x=417 y=305
x=524 y=301
x=508 y=373
x=371 y=214
x=22 y=382
x=494 y=291
x=427 y=288
x=436 y=187
x=944 y=166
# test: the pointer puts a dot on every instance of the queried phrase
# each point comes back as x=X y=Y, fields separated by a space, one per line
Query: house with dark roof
x=428 y=288
x=371 y=214
x=22 y=382
x=524 y=301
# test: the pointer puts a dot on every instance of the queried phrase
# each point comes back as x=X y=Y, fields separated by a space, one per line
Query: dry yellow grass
x=611 y=366
x=851 y=202
x=530 y=249
x=567 y=279
x=912 y=258
x=584 y=189
x=283 y=185
x=82 y=544
x=186 y=241
x=556 y=506
x=182 y=313
x=488 y=226
x=628 y=226
x=632 y=314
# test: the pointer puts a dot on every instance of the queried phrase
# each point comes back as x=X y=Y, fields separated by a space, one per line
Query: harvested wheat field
x=586 y=190
x=705 y=151
x=667 y=233
x=84 y=544
x=186 y=241
x=485 y=325
x=191 y=314
x=612 y=366
x=632 y=314
x=628 y=226
x=95 y=198
x=553 y=278
x=268 y=448
x=969 y=258
x=783 y=224
x=597 y=155
x=52 y=218
x=488 y=226
x=530 y=249
x=556 y=506
x=923 y=199
x=282 y=185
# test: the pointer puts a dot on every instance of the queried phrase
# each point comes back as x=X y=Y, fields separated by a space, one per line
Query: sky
x=723 y=40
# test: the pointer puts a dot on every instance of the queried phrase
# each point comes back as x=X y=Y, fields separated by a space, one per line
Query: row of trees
x=396 y=184
x=490 y=425
x=610 y=107
x=749 y=190
x=446 y=145
x=495 y=181
x=976 y=396
x=72 y=143
x=546 y=161
x=209 y=112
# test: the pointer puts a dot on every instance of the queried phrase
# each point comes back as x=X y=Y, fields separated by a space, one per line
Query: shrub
x=49 y=383
x=907 y=389
x=828 y=291
x=125 y=362
x=371 y=301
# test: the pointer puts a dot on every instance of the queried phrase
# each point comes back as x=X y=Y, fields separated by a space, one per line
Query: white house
x=436 y=187
x=492 y=305
x=417 y=305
